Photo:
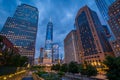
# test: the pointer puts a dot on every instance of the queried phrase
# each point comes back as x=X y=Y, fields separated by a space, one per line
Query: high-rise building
x=47 y=60
x=114 y=22
x=70 y=47
x=41 y=55
x=55 y=53
x=93 y=44
x=103 y=8
x=49 y=40
x=21 y=29
x=109 y=2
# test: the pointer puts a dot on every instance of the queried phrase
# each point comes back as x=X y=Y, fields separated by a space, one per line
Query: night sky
x=62 y=13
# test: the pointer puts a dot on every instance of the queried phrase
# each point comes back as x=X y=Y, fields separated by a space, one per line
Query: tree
x=7 y=57
x=23 y=61
x=14 y=60
x=73 y=67
x=88 y=70
x=52 y=67
x=82 y=69
x=56 y=67
x=91 y=70
x=113 y=64
x=64 y=68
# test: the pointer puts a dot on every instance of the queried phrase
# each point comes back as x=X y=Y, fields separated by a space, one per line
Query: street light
x=4 y=78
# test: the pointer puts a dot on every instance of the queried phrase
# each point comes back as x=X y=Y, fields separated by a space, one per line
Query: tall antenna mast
x=50 y=19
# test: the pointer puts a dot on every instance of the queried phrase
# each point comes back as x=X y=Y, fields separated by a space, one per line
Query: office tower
x=70 y=47
x=93 y=45
x=103 y=8
x=114 y=22
x=48 y=44
x=109 y=2
x=49 y=40
x=55 y=53
x=21 y=30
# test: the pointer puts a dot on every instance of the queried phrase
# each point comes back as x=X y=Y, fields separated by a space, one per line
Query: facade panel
x=70 y=47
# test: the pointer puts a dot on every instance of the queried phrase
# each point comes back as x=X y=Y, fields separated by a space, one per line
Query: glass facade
x=103 y=6
x=49 y=40
x=109 y=2
x=27 y=13
x=86 y=35
x=100 y=32
x=21 y=29
x=55 y=52
x=93 y=44
x=49 y=36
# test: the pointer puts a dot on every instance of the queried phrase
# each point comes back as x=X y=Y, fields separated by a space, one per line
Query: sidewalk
x=100 y=76
x=78 y=76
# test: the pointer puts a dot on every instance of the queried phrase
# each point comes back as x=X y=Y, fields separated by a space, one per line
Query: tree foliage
x=64 y=67
x=82 y=70
x=56 y=67
x=19 y=61
x=91 y=70
x=113 y=64
x=73 y=67
x=88 y=70
x=9 y=59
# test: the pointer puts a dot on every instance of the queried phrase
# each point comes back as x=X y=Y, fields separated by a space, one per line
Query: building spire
x=50 y=19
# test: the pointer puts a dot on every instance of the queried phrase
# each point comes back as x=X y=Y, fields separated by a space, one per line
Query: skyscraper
x=109 y=2
x=70 y=47
x=21 y=29
x=49 y=40
x=55 y=53
x=114 y=22
x=93 y=45
x=103 y=8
